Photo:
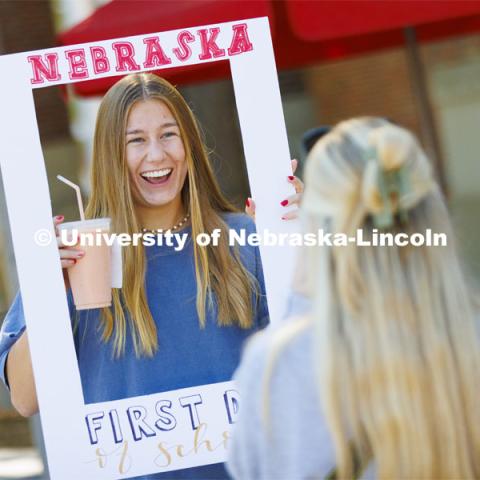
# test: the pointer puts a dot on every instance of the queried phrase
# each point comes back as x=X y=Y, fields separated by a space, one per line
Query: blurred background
x=415 y=62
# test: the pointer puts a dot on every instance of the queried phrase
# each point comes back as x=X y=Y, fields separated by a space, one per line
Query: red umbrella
x=122 y=18
x=332 y=19
x=304 y=32
x=334 y=29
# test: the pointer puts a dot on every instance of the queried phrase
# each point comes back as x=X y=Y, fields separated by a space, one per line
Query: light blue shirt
x=293 y=441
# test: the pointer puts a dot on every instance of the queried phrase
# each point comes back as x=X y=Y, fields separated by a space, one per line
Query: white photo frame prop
x=191 y=426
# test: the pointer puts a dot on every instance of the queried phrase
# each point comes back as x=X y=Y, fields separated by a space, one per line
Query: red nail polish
x=291 y=177
x=59 y=217
x=284 y=203
x=247 y=203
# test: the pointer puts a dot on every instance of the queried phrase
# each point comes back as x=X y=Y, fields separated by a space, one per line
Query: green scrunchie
x=389 y=183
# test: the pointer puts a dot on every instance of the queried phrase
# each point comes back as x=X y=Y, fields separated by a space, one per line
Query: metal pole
x=427 y=121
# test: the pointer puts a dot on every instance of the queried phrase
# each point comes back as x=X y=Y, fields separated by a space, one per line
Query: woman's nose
x=156 y=152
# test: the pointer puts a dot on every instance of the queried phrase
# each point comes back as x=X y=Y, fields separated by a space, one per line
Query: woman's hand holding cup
x=68 y=255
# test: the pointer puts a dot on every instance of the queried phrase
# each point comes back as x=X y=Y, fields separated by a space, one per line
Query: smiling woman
x=144 y=125
x=156 y=162
x=182 y=316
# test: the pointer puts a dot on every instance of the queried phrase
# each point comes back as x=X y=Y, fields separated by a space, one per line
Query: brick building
x=381 y=84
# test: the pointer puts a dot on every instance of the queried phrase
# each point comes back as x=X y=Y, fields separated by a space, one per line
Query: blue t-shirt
x=188 y=355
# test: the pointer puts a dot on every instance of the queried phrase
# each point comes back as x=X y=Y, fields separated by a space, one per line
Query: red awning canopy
x=122 y=18
x=325 y=20
x=304 y=32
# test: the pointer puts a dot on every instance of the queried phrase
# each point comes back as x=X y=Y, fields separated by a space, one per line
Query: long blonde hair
x=215 y=267
x=397 y=345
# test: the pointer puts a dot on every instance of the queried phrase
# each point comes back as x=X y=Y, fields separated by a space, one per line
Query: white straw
x=79 y=194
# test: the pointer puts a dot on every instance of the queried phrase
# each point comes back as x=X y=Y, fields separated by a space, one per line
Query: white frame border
x=63 y=412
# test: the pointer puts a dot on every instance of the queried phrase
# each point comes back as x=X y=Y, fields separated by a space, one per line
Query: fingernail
x=291 y=177
x=59 y=217
x=284 y=203
x=80 y=254
x=284 y=218
x=247 y=203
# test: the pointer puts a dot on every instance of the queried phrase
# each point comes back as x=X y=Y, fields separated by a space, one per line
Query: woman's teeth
x=156 y=173
x=157 y=176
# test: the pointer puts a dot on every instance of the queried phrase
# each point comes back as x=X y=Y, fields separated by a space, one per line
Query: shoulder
x=278 y=352
x=238 y=221
x=279 y=385
x=240 y=226
x=14 y=321
x=280 y=402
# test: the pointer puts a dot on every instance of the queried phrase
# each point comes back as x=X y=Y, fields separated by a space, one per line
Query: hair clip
x=390 y=183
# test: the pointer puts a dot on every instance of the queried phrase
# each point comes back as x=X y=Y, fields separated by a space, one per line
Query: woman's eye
x=135 y=140
x=169 y=134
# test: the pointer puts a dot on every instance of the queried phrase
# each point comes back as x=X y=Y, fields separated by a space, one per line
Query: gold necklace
x=172 y=229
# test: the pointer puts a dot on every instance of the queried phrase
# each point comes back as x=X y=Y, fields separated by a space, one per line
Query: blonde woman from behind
x=381 y=377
